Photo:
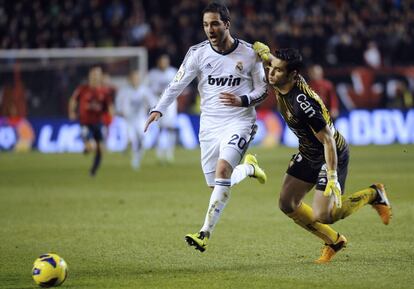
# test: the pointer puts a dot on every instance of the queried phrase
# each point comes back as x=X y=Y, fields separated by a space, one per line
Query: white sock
x=218 y=200
x=240 y=172
x=161 y=145
x=136 y=158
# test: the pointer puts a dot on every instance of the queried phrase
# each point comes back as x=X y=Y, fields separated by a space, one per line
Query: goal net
x=42 y=80
x=37 y=83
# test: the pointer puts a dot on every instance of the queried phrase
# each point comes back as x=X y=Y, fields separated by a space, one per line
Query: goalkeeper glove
x=334 y=187
x=262 y=50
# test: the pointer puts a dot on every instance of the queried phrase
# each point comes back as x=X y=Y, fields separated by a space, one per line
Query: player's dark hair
x=293 y=58
x=215 y=7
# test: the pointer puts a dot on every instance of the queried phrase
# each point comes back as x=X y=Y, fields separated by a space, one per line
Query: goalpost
x=37 y=84
x=47 y=77
x=140 y=55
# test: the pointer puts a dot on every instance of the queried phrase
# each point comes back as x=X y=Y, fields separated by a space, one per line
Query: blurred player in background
x=322 y=160
x=88 y=104
x=325 y=89
x=109 y=89
x=133 y=103
x=230 y=83
x=158 y=79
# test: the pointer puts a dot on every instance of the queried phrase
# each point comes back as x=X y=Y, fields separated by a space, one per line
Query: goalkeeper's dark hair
x=293 y=58
x=215 y=7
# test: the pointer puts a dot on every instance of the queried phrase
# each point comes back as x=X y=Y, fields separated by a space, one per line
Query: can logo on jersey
x=305 y=105
x=239 y=66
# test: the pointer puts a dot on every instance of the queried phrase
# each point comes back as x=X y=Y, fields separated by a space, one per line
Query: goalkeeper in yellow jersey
x=322 y=160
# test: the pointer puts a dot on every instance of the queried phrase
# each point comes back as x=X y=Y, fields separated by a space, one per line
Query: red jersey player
x=325 y=89
x=89 y=103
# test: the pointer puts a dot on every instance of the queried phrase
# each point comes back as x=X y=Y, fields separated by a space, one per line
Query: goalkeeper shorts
x=316 y=172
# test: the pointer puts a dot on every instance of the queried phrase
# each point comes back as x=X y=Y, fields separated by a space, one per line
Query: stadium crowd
x=327 y=32
x=365 y=44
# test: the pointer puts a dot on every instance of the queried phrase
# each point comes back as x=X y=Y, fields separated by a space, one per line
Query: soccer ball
x=49 y=270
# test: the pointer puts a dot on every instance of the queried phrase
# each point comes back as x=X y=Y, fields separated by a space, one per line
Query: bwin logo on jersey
x=224 y=81
x=305 y=105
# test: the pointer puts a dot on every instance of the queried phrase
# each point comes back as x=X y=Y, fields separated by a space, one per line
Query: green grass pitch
x=125 y=229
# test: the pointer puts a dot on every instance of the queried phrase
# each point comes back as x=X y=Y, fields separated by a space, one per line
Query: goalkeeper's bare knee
x=287 y=206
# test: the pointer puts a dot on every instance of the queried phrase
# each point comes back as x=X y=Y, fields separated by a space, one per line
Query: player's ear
x=293 y=74
x=227 y=24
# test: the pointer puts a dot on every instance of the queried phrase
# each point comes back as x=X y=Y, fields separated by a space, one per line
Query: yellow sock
x=303 y=216
x=352 y=203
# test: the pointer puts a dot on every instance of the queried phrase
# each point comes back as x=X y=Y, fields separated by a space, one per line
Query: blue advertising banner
x=359 y=127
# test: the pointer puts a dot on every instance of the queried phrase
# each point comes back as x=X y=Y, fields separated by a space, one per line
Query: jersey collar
x=235 y=45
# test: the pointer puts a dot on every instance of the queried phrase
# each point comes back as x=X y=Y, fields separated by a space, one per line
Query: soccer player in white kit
x=133 y=103
x=158 y=79
x=230 y=82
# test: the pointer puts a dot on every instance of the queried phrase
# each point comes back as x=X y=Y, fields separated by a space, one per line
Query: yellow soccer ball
x=49 y=270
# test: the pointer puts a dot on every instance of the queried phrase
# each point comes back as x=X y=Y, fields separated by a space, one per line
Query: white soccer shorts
x=228 y=143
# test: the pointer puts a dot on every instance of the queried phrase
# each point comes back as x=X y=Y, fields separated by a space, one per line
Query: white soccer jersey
x=158 y=79
x=134 y=103
x=237 y=71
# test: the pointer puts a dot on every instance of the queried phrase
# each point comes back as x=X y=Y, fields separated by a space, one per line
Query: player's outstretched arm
x=111 y=110
x=325 y=136
x=263 y=51
x=154 y=116
x=72 y=108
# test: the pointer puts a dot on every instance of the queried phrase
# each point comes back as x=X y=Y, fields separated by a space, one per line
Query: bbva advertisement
x=47 y=135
